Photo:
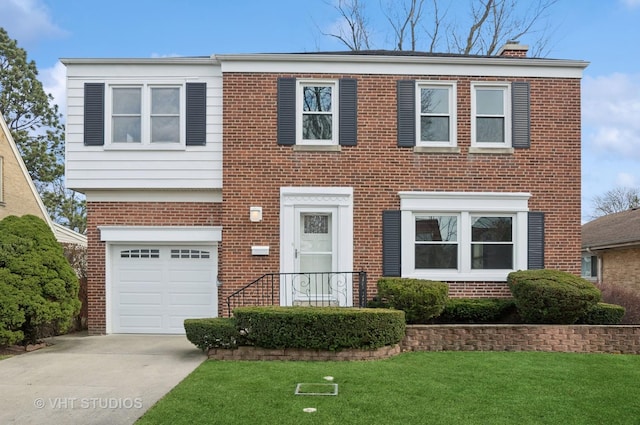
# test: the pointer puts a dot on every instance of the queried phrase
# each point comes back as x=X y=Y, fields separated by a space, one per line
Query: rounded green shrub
x=476 y=310
x=39 y=288
x=551 y=296
x=215 y=332
x=320 y=328
x=421 y=300
x=603 y=314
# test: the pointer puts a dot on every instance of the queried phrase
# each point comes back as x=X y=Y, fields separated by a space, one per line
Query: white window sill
x=449 y=276
x=494 y=151
x=145 y=147
x=317 y=148
x=436 y=149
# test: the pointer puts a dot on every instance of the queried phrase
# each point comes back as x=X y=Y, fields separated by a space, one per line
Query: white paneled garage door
x=155 y=287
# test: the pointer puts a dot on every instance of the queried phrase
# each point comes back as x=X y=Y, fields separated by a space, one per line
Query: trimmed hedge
x=551 y=296
x=477 y=310
x=603 y=314
x=421 y=300
x=217 y=332
x=320 y=328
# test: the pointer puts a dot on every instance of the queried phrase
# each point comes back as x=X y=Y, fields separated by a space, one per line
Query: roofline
x=25 y=173
x=329 y=58
x=183 y=60
x=611 y=246
x=57 y=229
x=443 y=60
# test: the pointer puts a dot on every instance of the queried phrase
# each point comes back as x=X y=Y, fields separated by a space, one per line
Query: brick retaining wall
x=559 y=338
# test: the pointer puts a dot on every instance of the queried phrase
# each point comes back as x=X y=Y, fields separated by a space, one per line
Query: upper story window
x=490 y=115
x=436 y=105
x=146 y=114
x=317 y=116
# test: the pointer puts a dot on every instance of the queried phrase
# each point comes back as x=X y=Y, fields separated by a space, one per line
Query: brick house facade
x=355 y=162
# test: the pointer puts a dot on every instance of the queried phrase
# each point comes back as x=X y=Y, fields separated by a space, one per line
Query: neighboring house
x=18 y=195
x=204 y=174
x=611 y=249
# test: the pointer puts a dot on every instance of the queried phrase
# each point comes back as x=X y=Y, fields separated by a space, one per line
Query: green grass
x=4 y=357
x=413 y=388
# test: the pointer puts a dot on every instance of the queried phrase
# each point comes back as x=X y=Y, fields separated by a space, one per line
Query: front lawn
x=413 y=388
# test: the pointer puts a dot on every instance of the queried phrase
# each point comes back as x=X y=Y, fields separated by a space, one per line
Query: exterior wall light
x=255 y=214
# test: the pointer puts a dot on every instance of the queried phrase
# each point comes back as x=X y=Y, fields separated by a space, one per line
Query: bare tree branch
x=353 y=15
x=616 y=200
x=489 y=25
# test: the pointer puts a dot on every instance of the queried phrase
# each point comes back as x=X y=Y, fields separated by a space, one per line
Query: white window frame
x=592 y=257
x=506 y=93
x=464 y=205
x=145 y=130
x=334 y=112
x=453 y=109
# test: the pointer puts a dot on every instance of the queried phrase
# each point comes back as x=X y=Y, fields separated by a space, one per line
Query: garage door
x=154 y=288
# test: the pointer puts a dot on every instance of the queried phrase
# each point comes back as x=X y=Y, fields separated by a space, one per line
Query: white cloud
x=54 y=82
x=631 y=3
x=610 y=110
x=626 y=180
x=27 y=20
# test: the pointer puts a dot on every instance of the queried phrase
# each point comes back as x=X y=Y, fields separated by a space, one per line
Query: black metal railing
x=312 y=289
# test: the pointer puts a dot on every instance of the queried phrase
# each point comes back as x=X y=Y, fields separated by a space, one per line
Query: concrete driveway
x=81 y=379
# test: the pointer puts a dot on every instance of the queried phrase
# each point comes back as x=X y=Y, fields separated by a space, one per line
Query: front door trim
x=292 y=199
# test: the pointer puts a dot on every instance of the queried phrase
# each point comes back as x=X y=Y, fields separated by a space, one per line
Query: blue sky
x=604 y=32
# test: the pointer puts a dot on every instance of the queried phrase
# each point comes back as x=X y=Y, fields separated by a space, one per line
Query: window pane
x=492 y=256
x=165 y=129
x=165 y=100
x=126 y=101
x=490 y=130
x=437 y=256
x=490 y=102
x=317 y=98
x=439 y=228
x=434 y=101
x=316 y=127
x=492 y=229
x=126 y=129
x=434 y=129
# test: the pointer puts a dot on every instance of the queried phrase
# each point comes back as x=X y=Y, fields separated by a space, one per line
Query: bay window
x=463 y=236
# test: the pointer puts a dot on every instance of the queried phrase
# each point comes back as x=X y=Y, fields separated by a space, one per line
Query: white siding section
x=103 y=167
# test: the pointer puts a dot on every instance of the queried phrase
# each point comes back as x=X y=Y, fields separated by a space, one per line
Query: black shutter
x=196 y=119
x=348 y=114
x=391 y=264
x=406 y=93
x=520 y=118
x=94 y=114
x=286 y=111
x=536 y=241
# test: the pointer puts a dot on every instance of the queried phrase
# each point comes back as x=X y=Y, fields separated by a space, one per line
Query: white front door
x=315 y=260
x=316 y=250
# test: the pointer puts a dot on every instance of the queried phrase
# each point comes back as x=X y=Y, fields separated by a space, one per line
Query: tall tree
x=616 y=200
x=35 y=124
x=489 y=24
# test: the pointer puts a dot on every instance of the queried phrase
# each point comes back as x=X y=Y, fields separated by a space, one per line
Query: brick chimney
x=513 y=49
